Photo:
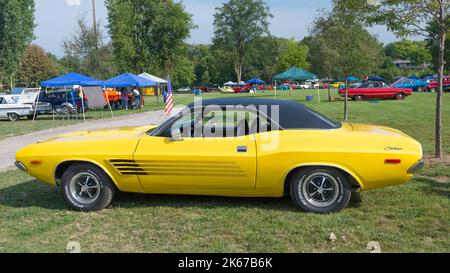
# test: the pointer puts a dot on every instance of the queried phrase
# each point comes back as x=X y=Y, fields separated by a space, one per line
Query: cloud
x=73 y=2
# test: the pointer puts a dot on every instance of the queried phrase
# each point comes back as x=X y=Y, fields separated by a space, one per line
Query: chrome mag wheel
x=320 y=189
x=85 y=188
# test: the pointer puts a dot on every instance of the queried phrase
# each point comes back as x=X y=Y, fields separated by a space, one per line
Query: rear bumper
x=417 y=167
x=21 y=166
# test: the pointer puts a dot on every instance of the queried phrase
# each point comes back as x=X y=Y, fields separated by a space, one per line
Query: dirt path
x=9 y=146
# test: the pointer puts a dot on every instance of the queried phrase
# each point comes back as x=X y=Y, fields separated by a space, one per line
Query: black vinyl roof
x=293 y=115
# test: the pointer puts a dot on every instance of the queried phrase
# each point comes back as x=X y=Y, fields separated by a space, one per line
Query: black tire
x=433 y=90
x=103 y=193
x=305 y=181
x=420 y=89
x=359 y=98
x=13 y=117
x=400 y=96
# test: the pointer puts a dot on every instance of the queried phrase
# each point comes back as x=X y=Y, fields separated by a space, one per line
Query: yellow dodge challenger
x=227 y=147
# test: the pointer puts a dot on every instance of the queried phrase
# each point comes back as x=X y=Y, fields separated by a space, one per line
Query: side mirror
x=176 y=135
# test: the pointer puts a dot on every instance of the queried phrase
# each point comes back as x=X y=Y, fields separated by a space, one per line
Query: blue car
x=69 y=99
x=414 y=84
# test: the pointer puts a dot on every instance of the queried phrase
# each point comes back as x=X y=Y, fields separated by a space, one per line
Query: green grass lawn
x=410 y=218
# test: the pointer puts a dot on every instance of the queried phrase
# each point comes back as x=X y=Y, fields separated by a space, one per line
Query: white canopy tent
x=153 y=78
x=230 y=83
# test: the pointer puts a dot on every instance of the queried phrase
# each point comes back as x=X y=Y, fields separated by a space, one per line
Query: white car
x=11 y=109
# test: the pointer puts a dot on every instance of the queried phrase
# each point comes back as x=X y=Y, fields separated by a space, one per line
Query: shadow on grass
x=32 y=194
x=36 y=194
x=434 y=187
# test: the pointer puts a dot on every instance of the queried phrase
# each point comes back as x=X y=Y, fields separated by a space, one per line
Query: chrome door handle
x=242 y=149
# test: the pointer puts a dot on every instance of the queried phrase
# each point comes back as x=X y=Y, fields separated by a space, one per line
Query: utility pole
x=94 y=17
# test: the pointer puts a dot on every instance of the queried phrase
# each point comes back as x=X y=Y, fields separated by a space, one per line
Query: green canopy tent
x=294 y=74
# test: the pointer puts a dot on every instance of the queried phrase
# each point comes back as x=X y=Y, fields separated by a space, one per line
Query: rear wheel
x=359 y=98
x=13 y=116
x=420 y=89
x=400 y=96
x=87 y=188
x=320 y=190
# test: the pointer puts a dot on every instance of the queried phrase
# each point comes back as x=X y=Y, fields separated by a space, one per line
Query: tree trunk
x=238 y=70
x=346 y=99
x=439 y=152
x=329 y=87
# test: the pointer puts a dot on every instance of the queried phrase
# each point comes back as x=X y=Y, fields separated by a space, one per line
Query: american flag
x=169 y=99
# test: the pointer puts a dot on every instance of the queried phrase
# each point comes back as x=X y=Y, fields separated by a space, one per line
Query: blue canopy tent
x=129 y=80
x=255 y=81
x=71 y=79
x=293 y=74
x=351 y=79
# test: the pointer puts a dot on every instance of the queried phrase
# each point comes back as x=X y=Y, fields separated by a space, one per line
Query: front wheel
x=400 y=96
x=320 y=190
x=13 y=116
x=420 y=89
x=87 y=188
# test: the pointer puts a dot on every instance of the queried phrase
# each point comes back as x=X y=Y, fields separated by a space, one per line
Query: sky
x=57 y=20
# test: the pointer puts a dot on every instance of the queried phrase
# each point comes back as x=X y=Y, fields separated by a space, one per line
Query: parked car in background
x=414 y=84
x=67 y=101
x=208 y=88
x=376 y=90
x=242 y=88
x=226 y=89
x=433 y=85
x=184 y=90
x=11 y=109
x=337 y=85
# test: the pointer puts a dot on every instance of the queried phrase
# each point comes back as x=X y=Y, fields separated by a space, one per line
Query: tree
x=86 y=53
x=263 y=56
x=236 y=24
x=35 y=67
x=406 y=18
x=202 y=59
x=16 y=33
x=295 y=54
x=149 y=35
x=357 y=51
x=322 y=57
x=433 y=46
x=415 y=51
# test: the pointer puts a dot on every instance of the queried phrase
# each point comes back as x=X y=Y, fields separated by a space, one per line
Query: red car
x=433 y=85
x=376 y=90
x=242 y=89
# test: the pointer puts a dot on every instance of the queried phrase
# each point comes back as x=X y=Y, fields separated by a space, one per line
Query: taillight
x=393 y=161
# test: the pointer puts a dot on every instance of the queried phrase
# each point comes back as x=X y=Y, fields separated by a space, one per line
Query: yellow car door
x=197 y=162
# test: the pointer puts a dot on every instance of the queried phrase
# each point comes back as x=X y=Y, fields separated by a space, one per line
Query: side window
x=2 y=101
x=217 y=124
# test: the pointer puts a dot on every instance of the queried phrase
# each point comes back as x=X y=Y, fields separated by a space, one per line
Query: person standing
x=137 y=98
x=124 y=98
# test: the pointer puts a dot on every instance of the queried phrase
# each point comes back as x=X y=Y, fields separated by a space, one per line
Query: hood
x=102 y=134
